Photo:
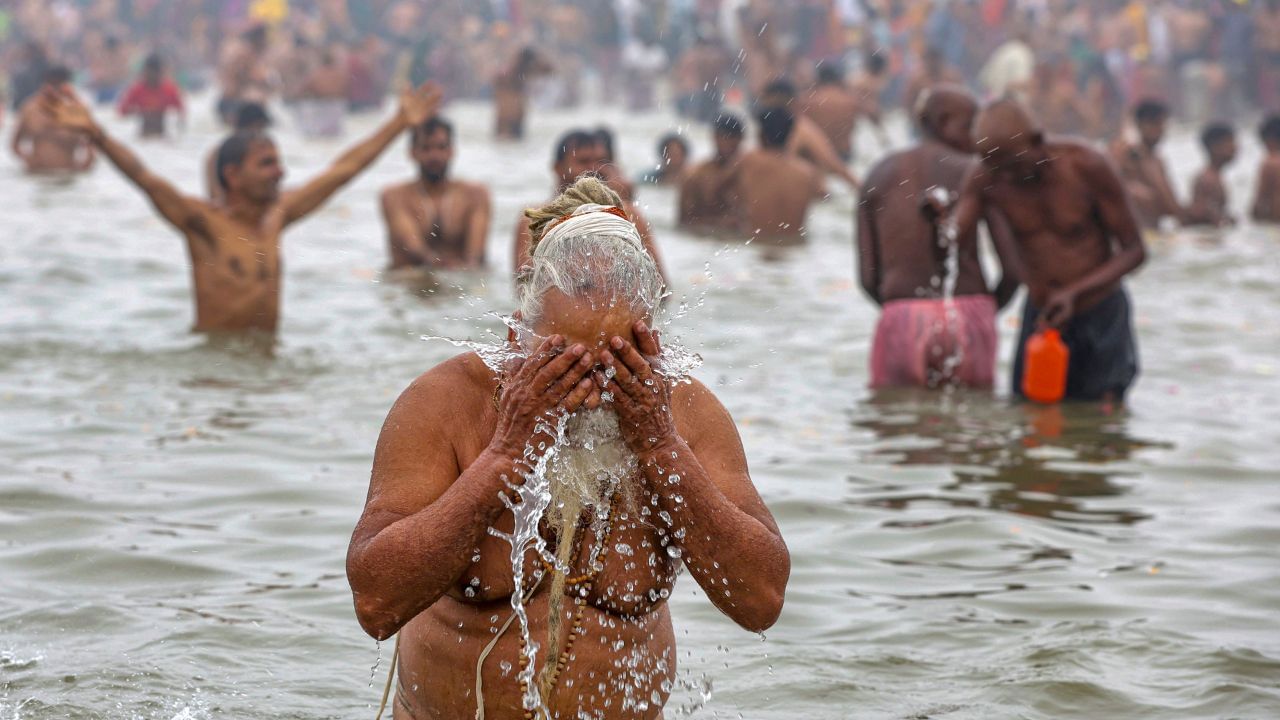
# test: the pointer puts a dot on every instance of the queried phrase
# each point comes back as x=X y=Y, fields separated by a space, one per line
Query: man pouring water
x=639 y=470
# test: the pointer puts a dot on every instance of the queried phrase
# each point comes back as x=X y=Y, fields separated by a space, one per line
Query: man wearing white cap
x=637 y=467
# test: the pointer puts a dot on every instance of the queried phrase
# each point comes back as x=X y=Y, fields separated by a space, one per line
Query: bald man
x=925 y=339
x=1076 y=238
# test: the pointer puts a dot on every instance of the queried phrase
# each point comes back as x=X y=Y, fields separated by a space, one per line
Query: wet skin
x=43 y=147
x=899 y=255
x=435 y=221
x=435 y=491
x=235 y=245
x=1075 y=230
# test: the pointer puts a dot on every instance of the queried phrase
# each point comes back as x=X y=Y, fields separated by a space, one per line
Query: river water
x=174 y=512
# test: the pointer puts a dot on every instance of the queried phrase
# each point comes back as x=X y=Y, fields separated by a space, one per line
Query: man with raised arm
x=1075 y=237
x=235 y=243
x=644 y=472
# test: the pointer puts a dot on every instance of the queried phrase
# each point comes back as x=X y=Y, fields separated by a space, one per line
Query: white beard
x=589 y=467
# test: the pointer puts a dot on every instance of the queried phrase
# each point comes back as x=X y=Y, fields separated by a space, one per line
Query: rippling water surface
x=174 y=511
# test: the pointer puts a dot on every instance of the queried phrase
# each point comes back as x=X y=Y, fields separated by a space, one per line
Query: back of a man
x=834 y=108
x=775 y=188
x=937 y=324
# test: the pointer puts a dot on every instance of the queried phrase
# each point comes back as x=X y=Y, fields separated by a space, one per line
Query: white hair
x=592 y=253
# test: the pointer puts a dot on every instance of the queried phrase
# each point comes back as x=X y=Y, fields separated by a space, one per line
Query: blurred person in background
x=152 y=97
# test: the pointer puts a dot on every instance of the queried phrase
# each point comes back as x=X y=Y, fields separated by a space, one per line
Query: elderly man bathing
x=650 y=474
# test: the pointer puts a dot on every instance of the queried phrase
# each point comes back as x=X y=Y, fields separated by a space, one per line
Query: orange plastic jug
x=1044 y=376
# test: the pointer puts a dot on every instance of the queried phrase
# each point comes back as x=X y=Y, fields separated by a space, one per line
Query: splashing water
x=530 y=498
x=949 y=240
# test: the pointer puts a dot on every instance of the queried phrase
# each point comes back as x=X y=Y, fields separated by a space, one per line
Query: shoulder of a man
x=698 y=411
x=445 y=390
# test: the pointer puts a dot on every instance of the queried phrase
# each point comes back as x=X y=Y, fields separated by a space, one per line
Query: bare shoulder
x=437 y=397
x=885 y=172
x=474 y=190
x=699 y=413
x=396 y=192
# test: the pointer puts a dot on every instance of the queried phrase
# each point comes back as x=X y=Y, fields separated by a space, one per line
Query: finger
x=632 y=359
x=578 y=395
x=545 y=352
x=622 y=401
x=577 y=372
x=646 y=339
x=557 y=366
x=621 y=373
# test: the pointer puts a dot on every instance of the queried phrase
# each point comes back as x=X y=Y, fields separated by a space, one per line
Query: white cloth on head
x=591 y=219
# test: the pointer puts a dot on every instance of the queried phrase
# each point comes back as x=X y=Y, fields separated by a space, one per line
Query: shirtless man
x=511 y=93
x=152 y=97
x=650 y=475
x=243 y=72
x=435 y=221
x=832 y=106
x=1209 y=201
x=774 y=187
x=1266 y=203
x=235 y=244
x=578 y=153
x=922 y=339
x=1143 y=171
x=251 y=118
x=705 y=200
x=322 y=101
x=807 y=140
x=41 y=145
x=1075 y=238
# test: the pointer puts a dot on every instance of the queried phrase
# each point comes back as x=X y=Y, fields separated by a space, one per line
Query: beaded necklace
x=578 y=587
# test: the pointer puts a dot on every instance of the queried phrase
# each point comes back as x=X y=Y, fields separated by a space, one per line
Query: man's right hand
x=548 y=384
x=420 y=104
x=64 y=109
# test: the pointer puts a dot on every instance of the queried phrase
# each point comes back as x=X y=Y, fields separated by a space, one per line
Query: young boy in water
x=1266 y=202
x=1209 y=194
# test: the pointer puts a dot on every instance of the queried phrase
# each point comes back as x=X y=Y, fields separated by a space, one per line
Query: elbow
x=765 y=600
x=375 y=610
x=1139 y=256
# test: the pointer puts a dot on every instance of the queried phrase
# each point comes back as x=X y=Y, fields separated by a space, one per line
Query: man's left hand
x=641 y=397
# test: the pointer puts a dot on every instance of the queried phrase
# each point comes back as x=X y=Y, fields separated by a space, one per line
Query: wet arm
x=422 y=520
x=402 y=230
x=172 y=205
x=1005 y=245
x=1118 y=221
x=297 y=204
x=724 y=532
x=868 y=247
x=478 y=229
x=819 y=147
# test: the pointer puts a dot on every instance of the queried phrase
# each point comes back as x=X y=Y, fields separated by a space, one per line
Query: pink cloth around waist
x=932 y=342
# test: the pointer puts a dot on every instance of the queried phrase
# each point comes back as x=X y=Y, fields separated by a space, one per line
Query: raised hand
x=539 y=389
x=641 y=397
x=64 y=109
x=419 y=104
